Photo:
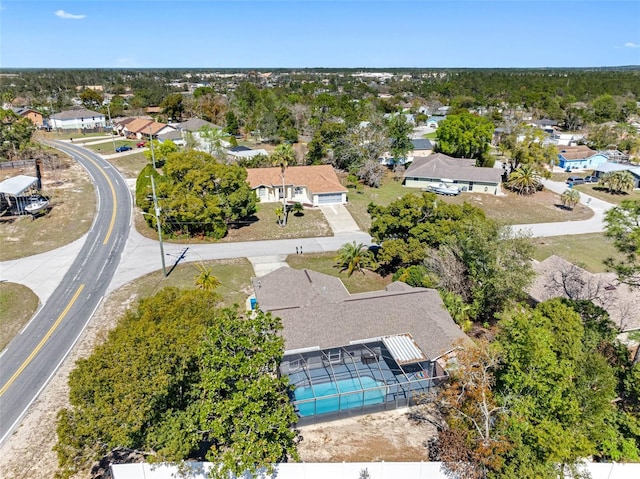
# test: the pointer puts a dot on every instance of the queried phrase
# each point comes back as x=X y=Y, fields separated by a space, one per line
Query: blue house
x=579 y=157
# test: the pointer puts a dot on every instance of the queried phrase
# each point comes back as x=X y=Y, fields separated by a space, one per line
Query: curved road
x=33 y=356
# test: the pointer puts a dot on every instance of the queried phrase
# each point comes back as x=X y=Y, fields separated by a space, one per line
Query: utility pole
x=153 y=155
x=156 y=209
x=111 y=123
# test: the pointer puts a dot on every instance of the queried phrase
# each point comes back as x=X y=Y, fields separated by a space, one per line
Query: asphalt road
x=33 y=356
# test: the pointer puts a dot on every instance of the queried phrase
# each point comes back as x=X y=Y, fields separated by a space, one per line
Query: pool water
x=353 y=392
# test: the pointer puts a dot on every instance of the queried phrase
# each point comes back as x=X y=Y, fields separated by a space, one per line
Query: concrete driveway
x=339 y=219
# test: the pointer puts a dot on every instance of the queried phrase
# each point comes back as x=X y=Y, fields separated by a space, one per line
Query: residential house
x=192 y=128
x=609 y=167
x=33 y=115
x=579 y=157
x=175 y=136
x=243 y=152
x=354 y=353
x=434 y=121
x=77 y=119
x=558 y=278
x=310 y=185
x=142 y=128
x=460 y=172
x=421 y=148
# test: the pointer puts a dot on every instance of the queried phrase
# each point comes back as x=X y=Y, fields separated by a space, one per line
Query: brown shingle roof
x=318 y=178
x=442 y=166
x=578 y=152
x=316 y=310
x=138 y=124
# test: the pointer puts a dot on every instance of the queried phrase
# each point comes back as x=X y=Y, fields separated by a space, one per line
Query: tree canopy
x=622 y=223
x=180 y=378
x=465 y=136
x=198 y=195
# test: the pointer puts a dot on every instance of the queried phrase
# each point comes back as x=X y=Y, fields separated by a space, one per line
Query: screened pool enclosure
x=359 y=378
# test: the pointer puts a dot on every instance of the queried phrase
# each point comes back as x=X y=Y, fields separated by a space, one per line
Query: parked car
x=141 y=144
x=591 y=179
x=122 y=148
x=575 y=180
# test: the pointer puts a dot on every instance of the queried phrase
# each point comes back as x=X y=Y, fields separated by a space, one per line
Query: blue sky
x=306 y=33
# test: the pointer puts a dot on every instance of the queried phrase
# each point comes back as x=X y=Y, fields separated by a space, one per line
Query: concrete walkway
x=339 y=219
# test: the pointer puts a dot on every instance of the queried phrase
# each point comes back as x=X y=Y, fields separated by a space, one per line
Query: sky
x=306 y=34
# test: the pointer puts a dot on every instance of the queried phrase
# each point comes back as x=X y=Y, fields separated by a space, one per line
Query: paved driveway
x=339 y=219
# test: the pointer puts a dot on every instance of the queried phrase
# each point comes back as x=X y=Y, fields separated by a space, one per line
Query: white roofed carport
x=17 y=185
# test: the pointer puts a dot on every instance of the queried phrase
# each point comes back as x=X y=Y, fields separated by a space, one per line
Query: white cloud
x=68 y=16
x=632 y=45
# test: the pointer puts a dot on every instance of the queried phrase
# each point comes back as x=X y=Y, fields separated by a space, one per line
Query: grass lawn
x=130 y=165
x=264 y=226
x=543 y=207
x=17 y=305
x=323 y=263
x=601 y=193
x=66 y=135
x=107 y=148
x=234 y=274
x=73 y=205
x=588 y=251
x=431 y=136
x=389 y=191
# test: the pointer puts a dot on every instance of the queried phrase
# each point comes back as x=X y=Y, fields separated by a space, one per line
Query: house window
x=298 y=190
x=471 y=186
x=262 y=192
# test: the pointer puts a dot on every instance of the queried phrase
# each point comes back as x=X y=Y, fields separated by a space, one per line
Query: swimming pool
x=350 y=393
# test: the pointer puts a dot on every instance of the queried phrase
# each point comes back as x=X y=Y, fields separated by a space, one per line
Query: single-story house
x=421 y=147
x=434 y=121
x=356 y=352
x=33 y=115
x=243 y=152
x=310 y=185
x=80 y=118
x=557 y=277
x=609 y=166
x=141 y=128
x=579 y=157
x=175 y=136
x=438 y=168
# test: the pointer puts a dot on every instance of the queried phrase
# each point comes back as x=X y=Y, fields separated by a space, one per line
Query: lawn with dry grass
x=325 y=263
x=17 y=305
x=73 y=205
x=597 y=191
x=510 y=208
x=587 y=251
x=263 y=226
x=130 y=165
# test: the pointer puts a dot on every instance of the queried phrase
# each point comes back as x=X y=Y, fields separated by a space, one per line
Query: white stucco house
x=77 y=120
x=457 y=172
x=310 y=185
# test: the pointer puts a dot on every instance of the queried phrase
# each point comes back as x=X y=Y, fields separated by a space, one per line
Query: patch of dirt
x=384 y=436
x=28 y=453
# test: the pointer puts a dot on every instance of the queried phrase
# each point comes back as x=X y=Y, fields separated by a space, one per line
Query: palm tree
x=298 y=209
x=354 y=257
x=617 y=181
x=283 y=156
x=570 y=198
x=206 y=280
x=279 y=214
x=525 y=180
x=625 y=181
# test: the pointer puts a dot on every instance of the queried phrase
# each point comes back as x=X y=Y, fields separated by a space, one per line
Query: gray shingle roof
x=442 y=166
x=316 y=310
x=73 y=114
x=419 y=144
x=194 y=124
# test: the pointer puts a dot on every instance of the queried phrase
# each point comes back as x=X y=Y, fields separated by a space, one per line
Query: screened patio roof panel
x=404 y=349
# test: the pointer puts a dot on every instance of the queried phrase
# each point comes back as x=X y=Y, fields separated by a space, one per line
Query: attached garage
x=330 y=198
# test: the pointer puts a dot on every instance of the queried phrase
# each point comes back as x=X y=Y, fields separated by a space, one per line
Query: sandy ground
x=28 y=454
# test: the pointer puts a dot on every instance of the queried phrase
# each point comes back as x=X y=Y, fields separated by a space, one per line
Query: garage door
x=330 y=199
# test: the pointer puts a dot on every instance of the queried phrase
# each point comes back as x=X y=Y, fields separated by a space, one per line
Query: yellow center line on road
x=113 y=193
x=42 y=341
